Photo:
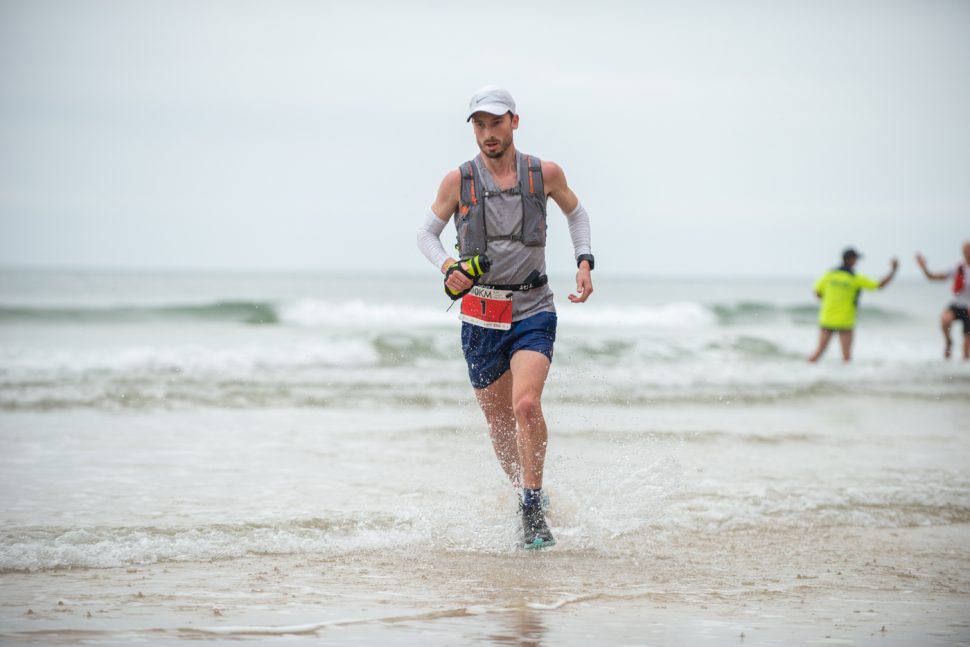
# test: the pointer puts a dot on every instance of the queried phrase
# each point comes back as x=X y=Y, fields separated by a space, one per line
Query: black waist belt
x=533 y=281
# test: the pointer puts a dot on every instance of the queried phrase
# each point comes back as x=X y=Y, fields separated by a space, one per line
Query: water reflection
x=523 y=627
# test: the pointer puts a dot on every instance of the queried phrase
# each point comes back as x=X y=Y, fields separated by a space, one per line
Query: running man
x=960 y=305
x=508 y=326
x=839 y=290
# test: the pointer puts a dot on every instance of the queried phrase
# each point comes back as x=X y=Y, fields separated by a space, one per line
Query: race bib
x=487 y=308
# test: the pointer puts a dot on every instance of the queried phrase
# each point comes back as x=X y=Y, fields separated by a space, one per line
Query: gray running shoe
x=535 y=532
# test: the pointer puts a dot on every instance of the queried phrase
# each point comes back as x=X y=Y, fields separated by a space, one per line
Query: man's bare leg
x=845 y=339
x=529 y=371
x=824 y=337
x=496 y=403
x=513 y=409
x=966 y=346
x=946 y=322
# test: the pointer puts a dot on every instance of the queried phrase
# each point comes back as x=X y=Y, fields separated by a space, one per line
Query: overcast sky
x=702 y=137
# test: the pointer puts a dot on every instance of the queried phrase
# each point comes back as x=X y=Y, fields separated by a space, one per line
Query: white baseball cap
x=491 y=99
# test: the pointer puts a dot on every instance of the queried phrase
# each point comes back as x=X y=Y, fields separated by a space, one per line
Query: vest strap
x=468 y=183
x=530 y=176
x=511 y=191
x=508 y=237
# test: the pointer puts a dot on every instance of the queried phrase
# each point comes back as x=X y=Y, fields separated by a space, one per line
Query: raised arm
x=894 y=265
x=933 y=276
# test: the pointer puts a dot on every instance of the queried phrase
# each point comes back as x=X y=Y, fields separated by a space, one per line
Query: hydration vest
x=470 y=215
x=959 y=279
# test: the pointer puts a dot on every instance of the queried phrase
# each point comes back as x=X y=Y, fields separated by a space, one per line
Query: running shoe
x=535 y=532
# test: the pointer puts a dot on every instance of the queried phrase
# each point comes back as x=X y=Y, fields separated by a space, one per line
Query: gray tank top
x=512 y=261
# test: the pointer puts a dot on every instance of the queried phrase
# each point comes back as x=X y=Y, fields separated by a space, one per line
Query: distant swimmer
x=958 y=308
x=839 y=290
x=498 y=200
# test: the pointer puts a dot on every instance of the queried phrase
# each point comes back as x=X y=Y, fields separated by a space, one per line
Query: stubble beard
x=498 y=152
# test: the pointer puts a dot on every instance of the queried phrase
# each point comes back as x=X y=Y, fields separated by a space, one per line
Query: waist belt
x=533 y=281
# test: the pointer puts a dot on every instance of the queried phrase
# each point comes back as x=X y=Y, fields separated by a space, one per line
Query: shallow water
x=177 y=474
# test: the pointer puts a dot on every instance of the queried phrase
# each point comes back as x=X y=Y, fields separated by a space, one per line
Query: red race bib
x=487 y=308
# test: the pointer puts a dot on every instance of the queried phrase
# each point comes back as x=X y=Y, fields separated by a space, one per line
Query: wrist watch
x=585 y=257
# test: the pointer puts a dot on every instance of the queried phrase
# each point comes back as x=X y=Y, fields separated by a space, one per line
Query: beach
x=282 y=457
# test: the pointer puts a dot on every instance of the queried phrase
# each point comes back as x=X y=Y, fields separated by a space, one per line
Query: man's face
x=494 y=132
x=850 y=260
x=966 y=252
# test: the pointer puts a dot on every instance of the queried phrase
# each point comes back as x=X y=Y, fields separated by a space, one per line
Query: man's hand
x=894 y=265
x=456 y=281
x=584 y=284
x=933 y=276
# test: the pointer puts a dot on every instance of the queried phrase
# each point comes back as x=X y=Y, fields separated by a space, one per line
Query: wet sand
x=833 y=586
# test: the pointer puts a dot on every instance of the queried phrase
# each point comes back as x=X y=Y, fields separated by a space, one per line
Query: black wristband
x=586 y=257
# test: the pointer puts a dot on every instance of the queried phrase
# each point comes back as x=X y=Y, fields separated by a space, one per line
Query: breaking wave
x=319 y=312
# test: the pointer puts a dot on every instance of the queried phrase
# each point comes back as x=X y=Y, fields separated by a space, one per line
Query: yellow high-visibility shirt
x=840 y=296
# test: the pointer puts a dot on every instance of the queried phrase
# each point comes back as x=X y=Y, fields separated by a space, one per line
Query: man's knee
x=527 y=407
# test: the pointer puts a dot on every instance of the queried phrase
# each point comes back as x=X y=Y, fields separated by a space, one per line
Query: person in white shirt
x=959 y=307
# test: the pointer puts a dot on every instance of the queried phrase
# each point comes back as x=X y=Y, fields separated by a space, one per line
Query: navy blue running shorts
x=488 y=352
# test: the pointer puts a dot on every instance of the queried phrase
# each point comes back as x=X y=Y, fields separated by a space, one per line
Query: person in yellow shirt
x=839 y=290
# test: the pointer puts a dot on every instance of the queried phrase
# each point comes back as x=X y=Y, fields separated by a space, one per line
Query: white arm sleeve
x=578 y=221
x=429 y=239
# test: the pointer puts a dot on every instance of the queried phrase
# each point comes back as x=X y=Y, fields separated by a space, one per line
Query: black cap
x=850 y=251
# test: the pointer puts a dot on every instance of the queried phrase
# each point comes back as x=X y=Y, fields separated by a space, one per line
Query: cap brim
x=497 y=109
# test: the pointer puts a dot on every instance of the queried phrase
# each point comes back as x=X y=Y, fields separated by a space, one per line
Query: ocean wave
x=885 y=507
x=754 y=312
x=425 y=368
x=233 y=394
x=659 y=503
x=390 y=387
x=722 y=394
x=248 y=312
x=299 y=312
x=32 y=549
x=358 y=312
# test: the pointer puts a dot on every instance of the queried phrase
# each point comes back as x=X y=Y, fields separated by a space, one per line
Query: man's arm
x=429 y=233
x=933 y=276
x=894 y=263
x=445 y=204
x=556 y=188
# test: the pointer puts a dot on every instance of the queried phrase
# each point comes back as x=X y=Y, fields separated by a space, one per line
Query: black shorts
x=961 y=313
